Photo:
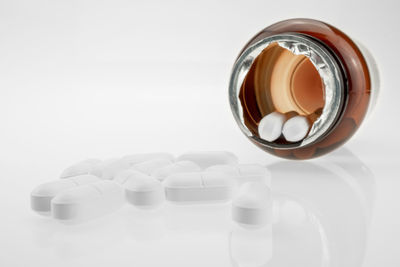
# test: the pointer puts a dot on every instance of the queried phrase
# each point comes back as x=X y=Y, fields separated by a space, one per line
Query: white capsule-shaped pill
x=80 y=168
x=109 y=168
x=270 y=127
x=87 y=201
x=208 y=158
x=141 y=190
x=42 y=195
x=199 y=187
x=296 y=128
x=252 y=207
x=139 y=158
x=150 y=166
x=174 y=168
x=244 y=173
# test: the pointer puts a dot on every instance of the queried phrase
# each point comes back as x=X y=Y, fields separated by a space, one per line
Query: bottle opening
x=283 y=82
x=286 y=76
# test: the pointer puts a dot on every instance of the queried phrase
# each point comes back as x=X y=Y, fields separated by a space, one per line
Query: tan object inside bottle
x=286 y=82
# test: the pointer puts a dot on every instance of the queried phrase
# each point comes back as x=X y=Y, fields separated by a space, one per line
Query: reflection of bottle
x=336 y=198
x=303 y=68
x=321 y=216
x=250 y=248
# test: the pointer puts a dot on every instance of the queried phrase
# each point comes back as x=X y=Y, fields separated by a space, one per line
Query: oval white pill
x=87 y=201
x=244 y=173
x=208 y=158
x=42 y=195
x=252 y=207
x=177 y=167
x=139 y=158
x=296 y=128
x=142 y=190
x=199 y=187
x=270 y=127
x=109 y=168
x=150 y=166
x=79 y=168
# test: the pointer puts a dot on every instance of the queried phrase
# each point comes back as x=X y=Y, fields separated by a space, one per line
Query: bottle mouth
x=287 y=74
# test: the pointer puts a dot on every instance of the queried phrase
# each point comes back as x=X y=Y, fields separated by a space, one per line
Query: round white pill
x=87 y=201
x=270 y=127
x=79 y=168
x=208 y=158
x=174 y=168
x=252 y=207
x=296 y=128
x=142 y=190
x=42 y=195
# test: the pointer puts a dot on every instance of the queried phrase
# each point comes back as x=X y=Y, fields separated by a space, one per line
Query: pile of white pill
x=92 y=188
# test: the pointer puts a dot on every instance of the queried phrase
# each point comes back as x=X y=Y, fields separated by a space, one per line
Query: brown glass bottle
x=308 y=67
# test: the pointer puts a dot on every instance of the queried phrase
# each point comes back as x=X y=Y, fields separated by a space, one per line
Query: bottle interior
x=281 y=81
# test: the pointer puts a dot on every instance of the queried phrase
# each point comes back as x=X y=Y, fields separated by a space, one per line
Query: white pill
x=141 y=190
x=42 y=195
x=244 y=173
x=79 y=168
x=296 y=128
x=150 y=166
x=270 y=127
x=177 y=167
x=199 y=187
x=252 y=207
x=139 y=158
x=87 y=201
x=208 y=158
x=108 y=169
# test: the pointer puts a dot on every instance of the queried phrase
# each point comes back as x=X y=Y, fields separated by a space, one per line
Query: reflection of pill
x=199 y=187
x=79 y=168
x=296 y=128
x=177 y=167
x=208 y=158
x=150 y=166
x=252 y=207
x=244 y=173
x=42 y=195
x=87 y=201
x=270 y=127
x=141 y=190
x=138 y=158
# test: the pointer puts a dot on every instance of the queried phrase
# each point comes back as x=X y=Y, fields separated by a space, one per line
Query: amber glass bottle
x=304 y=67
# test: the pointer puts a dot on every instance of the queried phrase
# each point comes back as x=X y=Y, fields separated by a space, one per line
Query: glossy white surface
x=334 y=211
x=78 y=81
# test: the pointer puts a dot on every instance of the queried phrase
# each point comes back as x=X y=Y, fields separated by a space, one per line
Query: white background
x=103 y=79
